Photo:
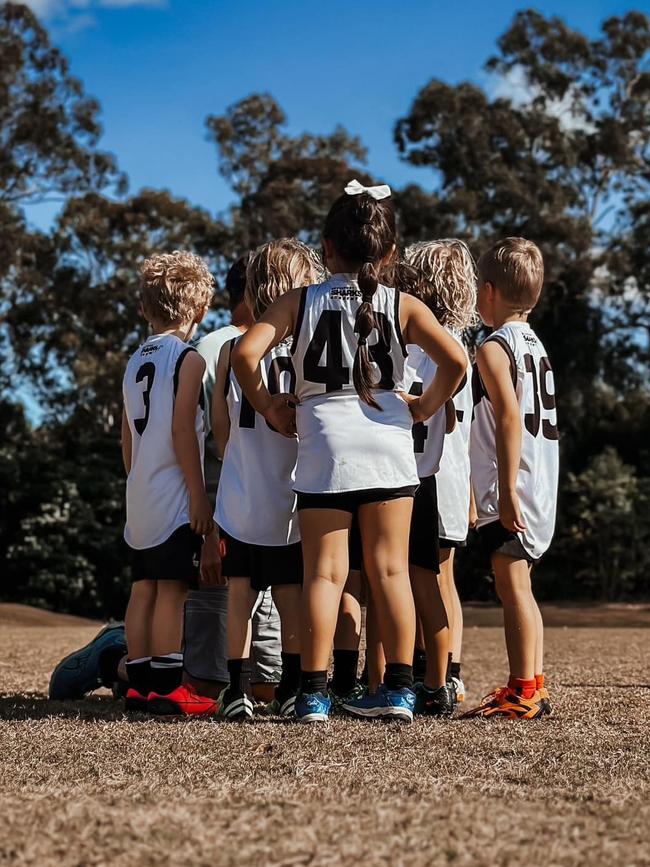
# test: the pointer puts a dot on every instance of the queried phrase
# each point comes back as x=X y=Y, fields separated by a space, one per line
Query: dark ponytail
x=362 y=230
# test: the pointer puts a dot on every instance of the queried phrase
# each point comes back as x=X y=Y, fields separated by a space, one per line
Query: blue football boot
x=385 y=704
x=312 y=707
x=79 y=672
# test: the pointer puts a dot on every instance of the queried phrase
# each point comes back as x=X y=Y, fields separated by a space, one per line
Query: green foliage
x=602 y=546
x=564 y=159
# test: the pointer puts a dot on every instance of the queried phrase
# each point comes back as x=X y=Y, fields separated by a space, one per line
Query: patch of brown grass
x=81 y=784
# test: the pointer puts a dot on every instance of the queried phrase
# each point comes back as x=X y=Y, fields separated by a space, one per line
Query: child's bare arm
x=277 y=323
x=126 y=442
x=421 y=327
x=494 y=367
x=220 y=420
x=186 y=445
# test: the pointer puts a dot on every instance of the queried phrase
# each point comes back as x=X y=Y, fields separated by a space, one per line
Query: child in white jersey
x=447 y=285
x=355 y=450
x=256 y=506
x=167 y=510
x=514 y=461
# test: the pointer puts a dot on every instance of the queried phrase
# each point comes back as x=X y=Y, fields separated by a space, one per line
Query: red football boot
x=183 y=701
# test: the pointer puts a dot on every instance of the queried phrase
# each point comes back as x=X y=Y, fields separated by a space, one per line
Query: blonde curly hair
x=174 y=287
x=275 y=268
x=447 y=280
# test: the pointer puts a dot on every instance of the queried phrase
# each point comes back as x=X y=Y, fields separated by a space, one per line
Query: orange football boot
x=504 y=703
x=183 y=701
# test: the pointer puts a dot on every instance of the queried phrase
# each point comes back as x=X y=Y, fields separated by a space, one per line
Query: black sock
x=448 y=675
x=419 y=665
x=454 y=669
x=290 y=680
x=166 y=673
x=313 y=681
x=398 y=675
x=346 y=663
x=108 y=662
x=139 y=673
x=239 y=671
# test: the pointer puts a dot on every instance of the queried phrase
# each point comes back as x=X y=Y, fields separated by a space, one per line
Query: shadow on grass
x=21 y=706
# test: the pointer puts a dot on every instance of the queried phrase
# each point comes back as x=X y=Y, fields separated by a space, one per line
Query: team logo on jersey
x=530 y=338
x=149 y=350
x=345 y=293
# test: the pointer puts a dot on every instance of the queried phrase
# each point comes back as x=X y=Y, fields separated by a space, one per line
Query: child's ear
x=203 y=312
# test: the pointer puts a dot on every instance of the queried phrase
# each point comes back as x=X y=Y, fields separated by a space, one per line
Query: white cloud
x=515 y=87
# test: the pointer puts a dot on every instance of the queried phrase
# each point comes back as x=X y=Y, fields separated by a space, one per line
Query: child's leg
x=348 y=625
x=385 y=533
x=454 y=611
x=348 y=636
x=539 y=645
x=520 y=614
x=375 y=657
x=138 y=623
x=288 y=601
x=138 y=619
x=167 y=625
x=166 y=636
x=241 y=600
x=431 y=610
x=325 y=551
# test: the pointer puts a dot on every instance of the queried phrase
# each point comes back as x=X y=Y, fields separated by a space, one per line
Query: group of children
x=359 y=444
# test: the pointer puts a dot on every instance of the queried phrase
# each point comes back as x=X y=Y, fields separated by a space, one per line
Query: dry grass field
x=83 y=785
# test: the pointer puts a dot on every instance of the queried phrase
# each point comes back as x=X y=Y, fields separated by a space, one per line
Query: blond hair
x=447 y=280
x=174 y=287
x=276 y=267
x=515 y=267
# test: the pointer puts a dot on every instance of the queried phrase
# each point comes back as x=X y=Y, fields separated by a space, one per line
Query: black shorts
x=424 y=548
x=350 y=501
x=176 y=559
x=446 y=544
x=265 y=565
x=496 y=539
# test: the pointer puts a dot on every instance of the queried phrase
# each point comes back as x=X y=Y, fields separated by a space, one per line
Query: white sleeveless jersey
x=157 y=499
x=429 y=435
x=453 y=476
x=538 y=470
x=255 y=498
x=344 y=444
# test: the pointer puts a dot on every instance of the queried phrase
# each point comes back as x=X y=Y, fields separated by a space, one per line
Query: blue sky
x=158 y=67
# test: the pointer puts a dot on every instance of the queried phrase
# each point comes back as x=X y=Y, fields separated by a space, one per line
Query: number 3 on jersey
x=328 y=340
x=146 y=371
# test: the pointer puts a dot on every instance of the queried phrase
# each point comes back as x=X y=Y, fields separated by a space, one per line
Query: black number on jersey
x=460 y=413
x=146 y=371
x=281 y=364
x=419 y=429
x=328 y=335
x=542 y=398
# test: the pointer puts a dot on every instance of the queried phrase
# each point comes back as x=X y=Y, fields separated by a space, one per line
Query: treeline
x=565 y=161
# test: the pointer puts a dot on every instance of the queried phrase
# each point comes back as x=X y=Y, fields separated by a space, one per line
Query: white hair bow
x=354 y=188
